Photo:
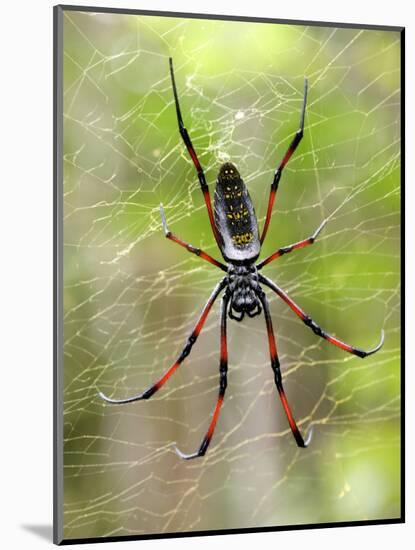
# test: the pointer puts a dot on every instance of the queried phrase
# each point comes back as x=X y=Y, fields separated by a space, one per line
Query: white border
x=26 y=271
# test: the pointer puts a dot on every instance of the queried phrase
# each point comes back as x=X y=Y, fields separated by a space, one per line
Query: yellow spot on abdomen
x=243 y=238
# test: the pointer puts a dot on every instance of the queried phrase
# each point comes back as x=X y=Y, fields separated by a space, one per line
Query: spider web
x=131 y=297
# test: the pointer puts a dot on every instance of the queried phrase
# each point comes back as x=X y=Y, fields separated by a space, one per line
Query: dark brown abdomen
x=235 y=217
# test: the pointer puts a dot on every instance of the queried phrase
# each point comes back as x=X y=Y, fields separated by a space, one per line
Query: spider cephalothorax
x=243 y=288
x=235 y=229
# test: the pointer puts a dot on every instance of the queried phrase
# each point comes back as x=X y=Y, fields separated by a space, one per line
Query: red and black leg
x=307 y=320
x=289 y=248
x=187 y=141
x=275 y=364
x=188 y=246
x=185 y=352
x=277 y=176
x=223 y=382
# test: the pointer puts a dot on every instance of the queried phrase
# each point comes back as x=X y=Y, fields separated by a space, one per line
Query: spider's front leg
x=185 y=352
x=223 y=382
x=308 y=321
x=275 y=364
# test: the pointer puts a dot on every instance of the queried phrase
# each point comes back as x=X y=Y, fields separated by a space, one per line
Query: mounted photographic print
x=228 y=265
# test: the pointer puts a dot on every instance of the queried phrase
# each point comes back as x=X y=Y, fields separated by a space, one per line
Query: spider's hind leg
x=290 y=151
x=189 y=146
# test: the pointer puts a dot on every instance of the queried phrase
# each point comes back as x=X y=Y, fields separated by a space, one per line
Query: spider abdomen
x=235 y=217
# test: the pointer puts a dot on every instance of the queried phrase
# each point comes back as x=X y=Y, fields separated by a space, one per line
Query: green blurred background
x=131 y=297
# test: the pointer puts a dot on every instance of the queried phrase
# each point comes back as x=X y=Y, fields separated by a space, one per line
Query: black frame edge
x=402 y=266
x=57 y=275
x=242 y=531
x=223 y=17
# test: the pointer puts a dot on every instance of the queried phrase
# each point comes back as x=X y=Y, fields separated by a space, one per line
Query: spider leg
x=187 y=141
x=223 y=382
x=146 y=394
x=275 y=364
x=289 y=248
x=188 y=246
x=307 y=320
x=277 y=176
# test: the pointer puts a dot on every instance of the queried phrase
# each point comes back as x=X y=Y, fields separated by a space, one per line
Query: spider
x=235 y=228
